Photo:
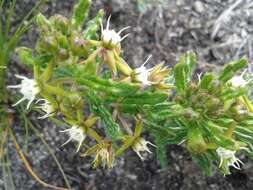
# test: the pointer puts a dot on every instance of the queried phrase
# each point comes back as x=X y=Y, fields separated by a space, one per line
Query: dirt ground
x=165 y=31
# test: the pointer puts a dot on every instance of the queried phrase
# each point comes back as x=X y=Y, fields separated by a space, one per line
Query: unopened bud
x=196 y=143
x=79 y=46
x=48 y=44
x=60 y=23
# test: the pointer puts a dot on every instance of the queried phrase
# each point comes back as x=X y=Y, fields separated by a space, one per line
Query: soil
x=165 y=31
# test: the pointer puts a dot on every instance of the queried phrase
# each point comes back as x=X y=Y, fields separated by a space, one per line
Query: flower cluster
x=228 y=158
x=28 y=88
x=83 y=77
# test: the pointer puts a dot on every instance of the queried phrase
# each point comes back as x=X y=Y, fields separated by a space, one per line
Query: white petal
x=66 y=130
x=29 y=103
x=18 y=102
x=119 y=32
x=21 y=77
x=80 y=144
x=138 y=153
x=66 y=142
x=14 y=86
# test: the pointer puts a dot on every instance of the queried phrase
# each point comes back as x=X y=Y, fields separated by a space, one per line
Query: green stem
x=3 y=97
x=3 y=94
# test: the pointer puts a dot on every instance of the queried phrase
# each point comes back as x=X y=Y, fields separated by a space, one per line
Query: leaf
x=161 y=153
x=230 y=70
x=230 y=93
x=81 y=11
x=26 y=55
x=116 y=89
x=204 y=162
x=184 y=70
x=93 y=26
x=180 y=77
x=145 y=98
x=112 y=129
x=190 y=61
x=206 y=81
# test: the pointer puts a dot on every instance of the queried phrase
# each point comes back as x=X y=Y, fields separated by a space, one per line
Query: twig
x=224 y=15
x=28 y=166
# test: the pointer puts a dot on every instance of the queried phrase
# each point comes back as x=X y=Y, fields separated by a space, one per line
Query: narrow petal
x=108 y=23
x=119 y=32
x=138 y=153
x=149 y=57
x=121 y=39
x=66 y=142
x=151 y=144
x=14 y=86
x=221 y=161
x=66 y=130
x=80 y=144
x=45 y=116
x=18 y=102
x=236 y=167
x=21 y=77
x=29 y=103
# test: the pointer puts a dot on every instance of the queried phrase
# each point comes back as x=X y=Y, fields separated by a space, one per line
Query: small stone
x=199 y=6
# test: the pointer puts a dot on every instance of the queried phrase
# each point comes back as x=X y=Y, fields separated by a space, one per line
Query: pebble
x=199 y=7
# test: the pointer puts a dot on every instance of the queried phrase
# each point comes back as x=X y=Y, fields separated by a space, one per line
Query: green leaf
x=26 y=55
x=206 y=81
x=116 y=89
x=161 y=152
x=204 y=162
x=190 y=61
x=112 y=129
x=184 y=70
x=180 y=77
x=230 y=93
x=145 y=98
x=81 y=11
x=93 y=26
x=230 y=70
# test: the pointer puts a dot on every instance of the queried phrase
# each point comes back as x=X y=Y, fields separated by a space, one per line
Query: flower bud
x=47 y=44
x=196 y=143
x=63 y=54
x=158 y=74
x=76 y=100
x=43 y=23
x=62 y=40
x=124 y=67
x=71 y=103
x=60 y=23
x=239 y=111
x=79 y=46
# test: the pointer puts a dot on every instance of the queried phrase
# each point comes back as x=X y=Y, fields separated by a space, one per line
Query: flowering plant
x=82 y=76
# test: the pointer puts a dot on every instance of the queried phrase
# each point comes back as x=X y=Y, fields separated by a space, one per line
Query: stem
x=3 y=96
x=54 y=90
x=50 y=151
x=28 y=166
x=248 y=103
x=92 y=133
x=230 y=130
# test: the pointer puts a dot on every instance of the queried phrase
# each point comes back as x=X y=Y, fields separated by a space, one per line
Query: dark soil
x=165 y=33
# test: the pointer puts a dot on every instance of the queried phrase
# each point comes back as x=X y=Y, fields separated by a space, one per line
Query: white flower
x=111 y=37
x=75 y=133
x=103 y=156
x=47 y=107
x=142 y=73
x=199 y=77
x=229 y=157
x=140 y=145
x=28 y=87
x=239 y=81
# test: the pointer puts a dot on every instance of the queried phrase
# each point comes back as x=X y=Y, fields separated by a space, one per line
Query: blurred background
x=219 y=31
